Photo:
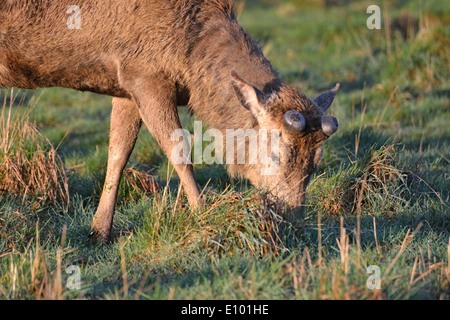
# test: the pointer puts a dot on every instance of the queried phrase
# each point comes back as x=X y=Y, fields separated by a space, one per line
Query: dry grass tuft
x=375 y=177
x=252 y=221
x=231 y=222
x=30 y=166
x=140 y=182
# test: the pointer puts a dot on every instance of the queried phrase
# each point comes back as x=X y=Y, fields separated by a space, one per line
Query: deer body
x=152 y=56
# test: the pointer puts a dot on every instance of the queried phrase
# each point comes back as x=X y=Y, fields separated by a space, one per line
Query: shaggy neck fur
x=218 y=48
x=222 y=47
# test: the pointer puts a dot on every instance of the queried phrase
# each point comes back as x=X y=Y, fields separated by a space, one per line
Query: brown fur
x=152 y=56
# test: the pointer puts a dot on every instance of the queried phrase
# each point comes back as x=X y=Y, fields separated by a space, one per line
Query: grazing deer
x=152 y=56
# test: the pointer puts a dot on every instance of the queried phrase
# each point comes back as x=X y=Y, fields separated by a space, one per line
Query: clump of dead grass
x=368 y=183
x=29 y=164
x=229 y=223
x=137 y=183
x=250 y=220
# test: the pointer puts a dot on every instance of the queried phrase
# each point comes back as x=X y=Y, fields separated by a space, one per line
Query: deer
x=153 y=56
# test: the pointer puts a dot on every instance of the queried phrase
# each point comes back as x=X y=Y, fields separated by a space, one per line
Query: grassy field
x=378 y=205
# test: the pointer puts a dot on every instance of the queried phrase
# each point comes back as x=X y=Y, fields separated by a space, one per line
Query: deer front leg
x=157 y=102
x=125 y=125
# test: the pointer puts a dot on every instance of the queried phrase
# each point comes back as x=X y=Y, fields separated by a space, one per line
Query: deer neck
x=212 y=97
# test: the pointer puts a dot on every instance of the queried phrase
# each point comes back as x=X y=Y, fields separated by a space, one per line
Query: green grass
x=379 y=198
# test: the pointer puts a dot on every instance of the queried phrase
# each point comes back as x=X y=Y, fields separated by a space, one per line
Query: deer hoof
x=100 y=237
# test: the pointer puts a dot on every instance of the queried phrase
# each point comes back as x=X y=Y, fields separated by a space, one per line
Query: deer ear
x=325 y=100
x=250 y=97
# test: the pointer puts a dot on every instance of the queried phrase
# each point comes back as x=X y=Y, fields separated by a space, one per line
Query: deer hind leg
x=125 y=125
